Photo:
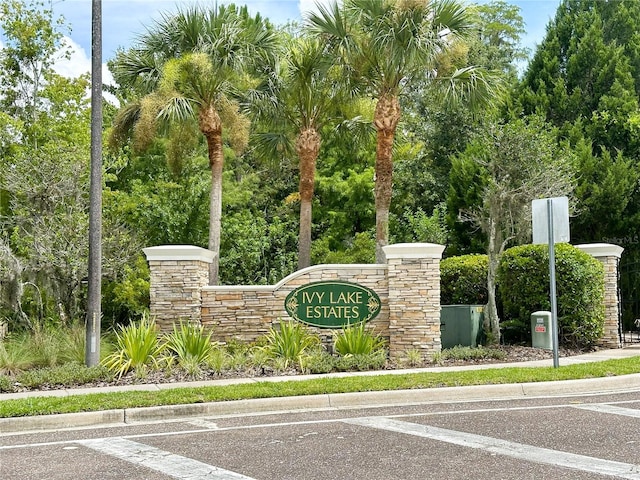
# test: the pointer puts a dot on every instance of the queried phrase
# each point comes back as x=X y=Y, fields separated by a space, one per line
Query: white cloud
x=78 y=64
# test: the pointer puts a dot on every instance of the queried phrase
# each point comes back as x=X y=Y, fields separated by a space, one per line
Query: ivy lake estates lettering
x=332 y=304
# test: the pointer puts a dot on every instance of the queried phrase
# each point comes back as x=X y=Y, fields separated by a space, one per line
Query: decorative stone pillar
x=178 y=273
x=414 y=298
x=609 y=255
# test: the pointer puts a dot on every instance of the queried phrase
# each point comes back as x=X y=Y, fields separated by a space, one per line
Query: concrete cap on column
x=413 y=250
x=178 y=253
x=601 y=249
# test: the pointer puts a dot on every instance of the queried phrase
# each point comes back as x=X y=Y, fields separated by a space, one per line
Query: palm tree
x=385 y=44
x=296 y=101
x=189 y=68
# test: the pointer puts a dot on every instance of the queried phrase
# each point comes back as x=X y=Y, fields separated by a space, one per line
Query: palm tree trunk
x=307 y=147
x=386 y=117
x=211 y=127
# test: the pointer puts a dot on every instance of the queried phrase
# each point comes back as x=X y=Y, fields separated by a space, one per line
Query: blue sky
x=123 y=20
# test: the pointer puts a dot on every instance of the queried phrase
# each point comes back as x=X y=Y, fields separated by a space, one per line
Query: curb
x=335 y=401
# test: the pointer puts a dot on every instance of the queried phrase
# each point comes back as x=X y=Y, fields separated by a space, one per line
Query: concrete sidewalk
x=329 y=401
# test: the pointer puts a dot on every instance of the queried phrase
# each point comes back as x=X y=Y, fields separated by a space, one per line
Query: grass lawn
x=326 y=385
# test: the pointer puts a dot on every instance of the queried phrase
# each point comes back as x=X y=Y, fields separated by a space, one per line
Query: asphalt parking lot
x=552 y=437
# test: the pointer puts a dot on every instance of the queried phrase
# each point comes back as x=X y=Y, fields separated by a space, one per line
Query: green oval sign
x=332 y=304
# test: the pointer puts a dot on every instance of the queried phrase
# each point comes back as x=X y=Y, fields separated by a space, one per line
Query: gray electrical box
x=461 y=325
x=541 y=336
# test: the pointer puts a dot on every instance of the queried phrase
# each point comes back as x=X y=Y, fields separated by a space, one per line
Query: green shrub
x=463 y=280
x=523 y=280
x=6 y=384
x=472 y=353
x=357 y=340
x=318 y=361
x=128 y=298
x=138 y=347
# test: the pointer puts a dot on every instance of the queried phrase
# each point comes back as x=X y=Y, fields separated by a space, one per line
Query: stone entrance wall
x=408 y=286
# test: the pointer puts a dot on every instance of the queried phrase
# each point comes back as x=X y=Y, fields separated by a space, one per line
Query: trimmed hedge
x=523 y=281
x=463 y=280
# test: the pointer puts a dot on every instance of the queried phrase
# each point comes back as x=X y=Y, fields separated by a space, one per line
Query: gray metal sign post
x=552 y=280
x=551 y=225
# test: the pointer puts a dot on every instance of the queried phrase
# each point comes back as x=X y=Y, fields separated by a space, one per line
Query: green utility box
x=541 y=330
x=461 y=325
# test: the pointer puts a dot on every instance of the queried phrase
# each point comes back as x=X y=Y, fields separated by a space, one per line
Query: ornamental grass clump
x=291 y=342
x=357 y=340
x=190 y=345
x=137 y=348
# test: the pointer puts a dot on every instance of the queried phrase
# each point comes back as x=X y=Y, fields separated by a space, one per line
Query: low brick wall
x=247 y=312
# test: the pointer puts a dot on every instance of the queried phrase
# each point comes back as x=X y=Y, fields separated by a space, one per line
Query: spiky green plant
x=138 y=347
x=190 y=344
x=217 y=359
x=290 y=341
x=357 y=340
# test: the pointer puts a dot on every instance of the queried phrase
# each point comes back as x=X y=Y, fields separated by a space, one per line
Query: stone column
x=414 y=298
x=609 y=255
x=178 y=273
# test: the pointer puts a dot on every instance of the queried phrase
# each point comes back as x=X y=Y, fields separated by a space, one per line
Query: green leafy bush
x=6 y=384
x=523 y=281
x=375 y=360
x=357 y=340
x=472 y=353
x=463 y=280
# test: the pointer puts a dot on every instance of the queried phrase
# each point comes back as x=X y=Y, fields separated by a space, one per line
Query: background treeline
x=462 y=175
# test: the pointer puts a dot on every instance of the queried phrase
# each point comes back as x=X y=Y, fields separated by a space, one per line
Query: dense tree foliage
x=44 y=176
x=585 y=79
x=281 y=199
x=512 y=164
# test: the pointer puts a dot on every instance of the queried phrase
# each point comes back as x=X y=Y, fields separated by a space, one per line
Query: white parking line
x=175 y=466
x=519 y=451
x=604 y=408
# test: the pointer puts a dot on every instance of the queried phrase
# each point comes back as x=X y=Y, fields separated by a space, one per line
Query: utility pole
x=94 y=296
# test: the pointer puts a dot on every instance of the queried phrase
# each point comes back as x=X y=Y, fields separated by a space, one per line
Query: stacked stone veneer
x=609 y=255
x=414 y=298
x=178 y=274
x=408 y=286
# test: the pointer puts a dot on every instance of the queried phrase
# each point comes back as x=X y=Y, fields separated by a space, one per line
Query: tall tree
x=299 y=98
x=33 y=37
x=384 y=46
x=189 y=68
x=508 y=166
x=444 y=128
x=585 y=79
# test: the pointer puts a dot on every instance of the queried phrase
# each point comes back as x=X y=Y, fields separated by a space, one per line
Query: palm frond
x=475 y=85
x=123 y=124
